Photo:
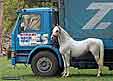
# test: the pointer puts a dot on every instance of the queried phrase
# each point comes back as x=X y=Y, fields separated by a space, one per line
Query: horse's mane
x=63 y=31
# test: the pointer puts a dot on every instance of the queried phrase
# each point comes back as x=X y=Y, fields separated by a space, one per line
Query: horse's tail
x=101 y=60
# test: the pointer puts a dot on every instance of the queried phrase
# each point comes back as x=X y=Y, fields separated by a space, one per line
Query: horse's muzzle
x=53 y=37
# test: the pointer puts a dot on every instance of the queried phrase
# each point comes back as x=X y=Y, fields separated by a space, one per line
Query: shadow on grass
x=71 y=75
x=90 y=75
x=36 y=76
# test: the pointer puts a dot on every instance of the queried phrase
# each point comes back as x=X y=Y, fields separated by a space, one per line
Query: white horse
x=76 y=48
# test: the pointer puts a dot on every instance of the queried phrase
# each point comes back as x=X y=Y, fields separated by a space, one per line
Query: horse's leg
x=63 y=52
x=64 y=72
x=100 y=65
x=67 y=56
x=63 y=58
x=101 y=58
x=98 y=70
x=95 y=53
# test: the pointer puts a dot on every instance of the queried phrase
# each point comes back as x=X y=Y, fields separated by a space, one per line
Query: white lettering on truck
x=103 y=9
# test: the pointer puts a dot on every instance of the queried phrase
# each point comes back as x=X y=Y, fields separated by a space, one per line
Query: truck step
x=21 y=57
x=21 y=54
x=21 y=61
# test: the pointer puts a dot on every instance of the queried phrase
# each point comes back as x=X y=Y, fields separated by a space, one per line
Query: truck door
x=33 y=31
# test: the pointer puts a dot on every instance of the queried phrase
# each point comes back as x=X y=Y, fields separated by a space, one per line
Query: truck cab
x=31 y=41
x=32 y=28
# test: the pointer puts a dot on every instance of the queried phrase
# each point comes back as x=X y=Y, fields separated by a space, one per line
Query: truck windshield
x=30 y=22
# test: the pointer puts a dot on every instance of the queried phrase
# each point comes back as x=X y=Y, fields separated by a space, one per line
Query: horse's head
x=56 y=31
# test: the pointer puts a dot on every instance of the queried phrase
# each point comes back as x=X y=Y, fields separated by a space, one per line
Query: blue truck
x=31 y=36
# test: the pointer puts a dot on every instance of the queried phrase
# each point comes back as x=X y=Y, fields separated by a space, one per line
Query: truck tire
x=45 y=63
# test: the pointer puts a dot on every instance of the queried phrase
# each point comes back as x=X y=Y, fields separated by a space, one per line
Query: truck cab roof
x=34 y=10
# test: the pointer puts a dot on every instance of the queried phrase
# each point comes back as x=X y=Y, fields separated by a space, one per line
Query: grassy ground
x=25 y=74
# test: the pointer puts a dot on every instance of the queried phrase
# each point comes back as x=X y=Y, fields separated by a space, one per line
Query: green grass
x=26 y=74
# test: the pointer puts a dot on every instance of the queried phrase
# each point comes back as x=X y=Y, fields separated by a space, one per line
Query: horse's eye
x=57 y=31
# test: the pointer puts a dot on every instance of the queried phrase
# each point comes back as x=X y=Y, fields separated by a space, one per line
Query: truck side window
x=30 y=22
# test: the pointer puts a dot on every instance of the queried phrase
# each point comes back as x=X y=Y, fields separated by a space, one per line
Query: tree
x=1 y=17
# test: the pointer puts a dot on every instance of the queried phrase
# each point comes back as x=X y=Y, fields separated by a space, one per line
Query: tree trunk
x=1 y=18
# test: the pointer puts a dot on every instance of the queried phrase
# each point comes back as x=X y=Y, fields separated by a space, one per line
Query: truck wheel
x=45 y=63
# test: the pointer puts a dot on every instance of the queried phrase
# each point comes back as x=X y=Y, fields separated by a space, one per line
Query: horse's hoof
x=64 y=74
x=67 y=74
x=98 y=75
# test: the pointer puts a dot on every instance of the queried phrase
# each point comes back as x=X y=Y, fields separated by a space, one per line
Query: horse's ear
x=59 y=27
x=56 y=24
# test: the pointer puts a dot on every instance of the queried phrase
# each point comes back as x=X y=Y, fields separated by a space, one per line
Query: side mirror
x=22 y=27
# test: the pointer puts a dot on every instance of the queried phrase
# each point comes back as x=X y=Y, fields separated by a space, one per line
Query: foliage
x=10 y=7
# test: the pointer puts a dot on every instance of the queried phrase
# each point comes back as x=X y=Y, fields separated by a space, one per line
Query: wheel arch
x=55 y=51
